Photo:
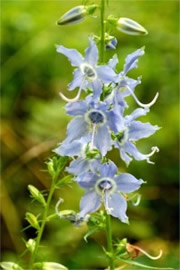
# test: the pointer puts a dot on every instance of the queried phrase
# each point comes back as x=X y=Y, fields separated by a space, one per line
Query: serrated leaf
x=143 y=265
x=90 y=233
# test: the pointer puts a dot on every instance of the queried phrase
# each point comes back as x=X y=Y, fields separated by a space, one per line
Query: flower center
x=105 y=184
x=88 y=71
x=96 y=117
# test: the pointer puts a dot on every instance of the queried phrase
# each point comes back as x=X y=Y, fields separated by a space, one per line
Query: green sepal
x=142 y=265
x=56 y=164
x=64 y=181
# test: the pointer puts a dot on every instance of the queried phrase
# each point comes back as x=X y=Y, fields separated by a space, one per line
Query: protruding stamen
x=139 y=102
x=92 y=138
x=71 y=99
x=154 y=150
x=138 y=200
x=57 y=206
x=130 y=248
x=108 y=209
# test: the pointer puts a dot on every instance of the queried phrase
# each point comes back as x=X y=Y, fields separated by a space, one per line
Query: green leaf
x=90 y=233
x=143 y=265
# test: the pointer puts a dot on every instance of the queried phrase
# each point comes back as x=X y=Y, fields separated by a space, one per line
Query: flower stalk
x=102 y=44
x=44 y=220
x=109 y=241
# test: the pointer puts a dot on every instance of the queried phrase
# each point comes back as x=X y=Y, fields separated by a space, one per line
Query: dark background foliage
x=33 y=121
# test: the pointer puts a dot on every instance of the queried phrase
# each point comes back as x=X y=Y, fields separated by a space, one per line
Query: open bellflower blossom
x=88 y=74
x=107 y=187
x=92 y=119
x=133 y=131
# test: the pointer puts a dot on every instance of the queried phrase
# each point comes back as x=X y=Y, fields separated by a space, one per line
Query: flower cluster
x=101 y=124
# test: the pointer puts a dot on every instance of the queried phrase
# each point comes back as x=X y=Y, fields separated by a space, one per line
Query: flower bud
x=130 y=27
x=36 y=194
x=10 y=266
x=49 y=266
x=76 y=14
x=32 y=220
x=30 y=244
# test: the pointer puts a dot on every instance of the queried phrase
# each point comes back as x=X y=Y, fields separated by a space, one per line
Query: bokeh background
x=33 y=121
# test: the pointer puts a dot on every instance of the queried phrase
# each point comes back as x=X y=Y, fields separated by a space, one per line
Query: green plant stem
x=102 y=44
x=44 y=220
x=109 y=241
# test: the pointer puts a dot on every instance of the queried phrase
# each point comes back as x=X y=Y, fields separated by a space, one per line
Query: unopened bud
x=130 y=27
x=76 y=14
x=30 y=244
x=32 y=220
x=49 y=266
x=10 y=266
x=36 y=194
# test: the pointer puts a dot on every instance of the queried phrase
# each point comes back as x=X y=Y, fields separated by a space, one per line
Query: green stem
x=44 y=220
x=102 y=44
x=109 y=241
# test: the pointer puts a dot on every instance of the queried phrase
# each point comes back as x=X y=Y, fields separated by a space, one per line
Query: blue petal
x=139 y=130
x=113 y=62
x=90 y=202
x=77 y=81
x=96 y=85
x=116 y=121
x=108 y=169
x=132 y=60
x=69 y=149
x=106 y=74
x=77 y=108
x=78 y=166
x=136 y=113
x=91 y=53
x=87 y=180
x=76 y=129
x=94 y=165
x=102 y=140
x=73 y=55
x=118 y=206
x=127 y=183
x=127 y=159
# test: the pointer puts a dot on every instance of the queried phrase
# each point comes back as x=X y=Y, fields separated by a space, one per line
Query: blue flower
x=111 y=44
x=107 y=187
x=88 y=74
x=93 y=119
x=87 y=159
x=133 y=131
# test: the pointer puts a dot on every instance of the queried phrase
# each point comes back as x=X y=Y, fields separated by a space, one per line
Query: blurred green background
x=33 y=121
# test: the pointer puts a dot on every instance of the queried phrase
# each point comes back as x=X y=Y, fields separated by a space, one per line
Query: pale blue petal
x=132 y=60
x=69 y=149
x=113 y=62
x=135 y=114
x=118 y=206
x=116 y=121
x=78 y=166
x=91 y=53
x=108 y=169
x=73 y=55
x=90 y=202
x=77 y=108
x=139 y=130
x=102 y=140
x=76 y=129
x=87 y=180
x=77 y=81
x=127 y=159
x=96 y=85
x=127 y=183
x=106 y=74
x=94 y=165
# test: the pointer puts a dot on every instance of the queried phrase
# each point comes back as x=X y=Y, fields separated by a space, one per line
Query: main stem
x=44 y=219
x=102 y=44
x=109 y=241
x=108 y=217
